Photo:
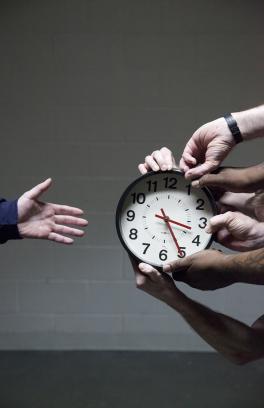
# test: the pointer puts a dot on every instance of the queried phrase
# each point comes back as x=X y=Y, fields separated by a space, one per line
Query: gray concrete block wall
x=87 y=89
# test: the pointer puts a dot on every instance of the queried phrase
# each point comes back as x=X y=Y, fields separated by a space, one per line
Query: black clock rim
x=124 y=195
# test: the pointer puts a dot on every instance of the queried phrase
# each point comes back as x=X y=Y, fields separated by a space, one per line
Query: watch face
x=160 y=218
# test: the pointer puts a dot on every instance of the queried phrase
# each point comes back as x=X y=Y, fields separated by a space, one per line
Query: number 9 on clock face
x=160 y=218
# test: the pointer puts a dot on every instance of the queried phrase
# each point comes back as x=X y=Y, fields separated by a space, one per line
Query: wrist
x=250 y=122
x=233 y=128
x=243 y=123
x=256 y=177
x=23 y=230
x=175 y=299
x=246 y=267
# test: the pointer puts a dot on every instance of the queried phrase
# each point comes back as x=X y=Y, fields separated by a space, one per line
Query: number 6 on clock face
x=160 y=218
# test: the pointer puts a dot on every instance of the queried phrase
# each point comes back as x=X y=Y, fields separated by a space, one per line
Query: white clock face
x=160 y=218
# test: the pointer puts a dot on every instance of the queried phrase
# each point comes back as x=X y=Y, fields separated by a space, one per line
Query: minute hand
x=173 y=222
x=171 y=232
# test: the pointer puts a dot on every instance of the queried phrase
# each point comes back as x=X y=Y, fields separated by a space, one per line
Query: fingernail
x=196 y=184
x=166 y=268
x=208 y=230
x=156 y=168
x=164 y=167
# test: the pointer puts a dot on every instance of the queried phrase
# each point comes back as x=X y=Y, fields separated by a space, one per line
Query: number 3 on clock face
x=160 y=218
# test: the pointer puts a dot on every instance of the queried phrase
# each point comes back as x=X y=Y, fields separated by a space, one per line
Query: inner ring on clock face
x=152 y=223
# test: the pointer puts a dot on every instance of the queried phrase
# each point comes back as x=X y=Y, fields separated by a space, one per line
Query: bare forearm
x=247 y=267
x=251 y=122
x=235 y=340
x=255 y=176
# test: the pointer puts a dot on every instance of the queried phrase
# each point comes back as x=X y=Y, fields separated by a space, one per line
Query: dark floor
x=126 y=380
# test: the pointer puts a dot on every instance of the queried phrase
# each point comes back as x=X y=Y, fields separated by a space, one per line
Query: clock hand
x=166 y=219
x=174 y=222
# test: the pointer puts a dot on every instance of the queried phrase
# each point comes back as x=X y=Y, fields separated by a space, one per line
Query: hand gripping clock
x=160 y=217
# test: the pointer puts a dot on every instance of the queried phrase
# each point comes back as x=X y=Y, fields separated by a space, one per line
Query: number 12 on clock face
x=160 y=218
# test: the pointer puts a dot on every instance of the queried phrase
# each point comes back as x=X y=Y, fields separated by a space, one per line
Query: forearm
x=247 y=267
x=251 y=122
x=235 y=340
x=255 y=176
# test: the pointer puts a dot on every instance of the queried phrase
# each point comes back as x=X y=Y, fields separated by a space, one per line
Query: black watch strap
x=234 y=129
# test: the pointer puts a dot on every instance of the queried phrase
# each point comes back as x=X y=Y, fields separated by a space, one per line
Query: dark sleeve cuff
x=8 y=221
x=8 y=232
x=8 y=212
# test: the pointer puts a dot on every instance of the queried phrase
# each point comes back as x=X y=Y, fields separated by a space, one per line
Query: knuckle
x=198 y=133
x=214 y=162
x=165 y=149
x=230 y=216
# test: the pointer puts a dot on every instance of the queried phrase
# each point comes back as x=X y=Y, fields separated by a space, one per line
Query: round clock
x=161 y=217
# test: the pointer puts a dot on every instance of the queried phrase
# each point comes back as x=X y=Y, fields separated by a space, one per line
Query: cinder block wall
x=87 y=89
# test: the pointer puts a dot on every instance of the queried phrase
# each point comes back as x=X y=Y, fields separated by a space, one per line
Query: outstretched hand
x=37 y=219
x=238 y=180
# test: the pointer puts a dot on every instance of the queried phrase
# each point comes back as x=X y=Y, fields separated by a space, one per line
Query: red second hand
x=171 y=231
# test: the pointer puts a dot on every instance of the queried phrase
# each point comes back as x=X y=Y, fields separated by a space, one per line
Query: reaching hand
x=37 y=219
x=205 y=270
x=237 y=189
x=238 y=180
x=157 y=284
x=206 y=149
x=158 y=160
x=237 y=231
x=241 y=202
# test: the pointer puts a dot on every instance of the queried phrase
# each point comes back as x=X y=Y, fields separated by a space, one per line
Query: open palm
x=37 y=219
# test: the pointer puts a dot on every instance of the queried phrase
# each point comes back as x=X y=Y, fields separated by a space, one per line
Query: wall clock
x=160 y=218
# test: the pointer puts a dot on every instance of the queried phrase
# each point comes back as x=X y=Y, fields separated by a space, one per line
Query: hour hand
x=168 y=219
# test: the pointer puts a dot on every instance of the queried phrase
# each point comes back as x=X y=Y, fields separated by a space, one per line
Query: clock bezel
x=124 y=196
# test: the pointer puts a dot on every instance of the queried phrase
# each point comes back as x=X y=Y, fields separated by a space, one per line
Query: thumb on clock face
x=179 y=265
